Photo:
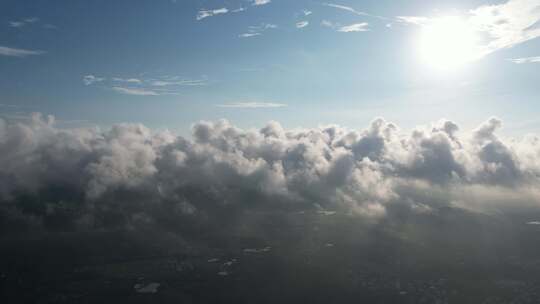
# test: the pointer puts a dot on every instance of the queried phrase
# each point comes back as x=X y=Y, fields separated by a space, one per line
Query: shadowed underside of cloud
x=129 y=174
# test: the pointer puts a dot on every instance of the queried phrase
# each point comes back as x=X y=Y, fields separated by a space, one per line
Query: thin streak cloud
x=357 y=27
x=525 y=60
x=135 y=91
x=14 y=52
x=252 y=105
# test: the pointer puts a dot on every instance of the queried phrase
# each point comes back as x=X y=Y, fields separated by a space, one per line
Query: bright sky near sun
x=168 y=64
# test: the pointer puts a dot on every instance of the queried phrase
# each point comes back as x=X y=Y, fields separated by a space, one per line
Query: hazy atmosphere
x=269 y=151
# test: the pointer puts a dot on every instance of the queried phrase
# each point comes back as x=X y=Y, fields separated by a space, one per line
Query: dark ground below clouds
x=451 y=256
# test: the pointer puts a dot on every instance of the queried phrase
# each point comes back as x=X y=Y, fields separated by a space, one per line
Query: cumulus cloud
x=130 y=172
x=14 y=52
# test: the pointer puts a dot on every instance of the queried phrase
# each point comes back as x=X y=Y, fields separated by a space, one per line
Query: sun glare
x=448 y=43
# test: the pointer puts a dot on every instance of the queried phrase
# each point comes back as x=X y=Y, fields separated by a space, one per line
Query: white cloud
x=16 y=23
x=327 y=23
x=128 y=80
x=507 y=24
x=14 y=52
x=247 y=35
x=352 y=10
x=502 y=25
x=526 y=60
x=413 y=20
x=31 y=20
x=257 y=30
x=252 y=105
x=135 y=91
x=23 y=22
x=302 y=24
x=345 y=8
x=261 y=2
x=362 y=172
x=357 y=27
x=209 y=13
x=91 y=79
x=163 y=83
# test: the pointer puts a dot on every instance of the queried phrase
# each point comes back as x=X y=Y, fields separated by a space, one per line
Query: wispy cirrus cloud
x=205 y=13
x=356 y=27
x=128 y=80
x=352 y=10
x=261 y=2
x=144 y=86
x=182 y=82
x=14 y=52
x=252 y=105
x=209 y=13
x=413 y=20
x=135 y=91
x=91 y=79
x=23 y=22
x=525 y=60
x=327 y=23
x=16 y=24
x=247 y=35
x=346 y=8
x=257 y=30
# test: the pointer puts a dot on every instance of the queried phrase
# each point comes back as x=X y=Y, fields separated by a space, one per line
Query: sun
x=448 y=43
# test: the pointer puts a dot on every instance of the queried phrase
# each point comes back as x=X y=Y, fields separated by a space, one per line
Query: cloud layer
x=129 y=174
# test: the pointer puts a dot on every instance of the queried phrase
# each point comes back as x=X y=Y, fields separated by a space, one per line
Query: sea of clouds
x=129 y=173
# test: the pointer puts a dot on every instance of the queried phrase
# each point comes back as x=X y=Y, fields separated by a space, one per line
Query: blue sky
x=168 y=64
